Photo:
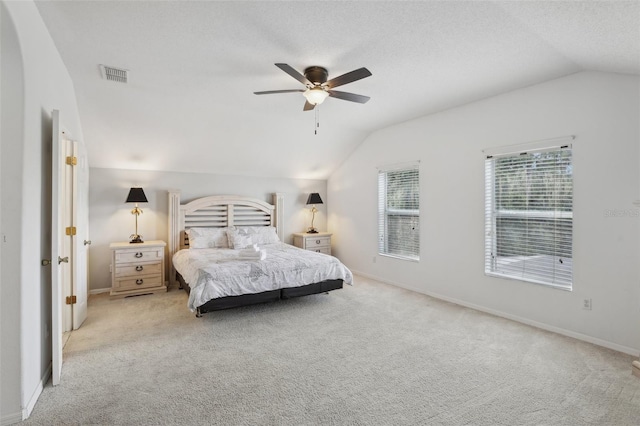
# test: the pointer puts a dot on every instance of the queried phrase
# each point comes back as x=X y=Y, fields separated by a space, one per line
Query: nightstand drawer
x=137 y=255
x=138 y=270
x=324 y=250
x=138 y=283
x=314 y=243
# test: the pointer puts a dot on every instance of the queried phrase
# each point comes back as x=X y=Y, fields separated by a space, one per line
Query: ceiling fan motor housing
x=316 y=75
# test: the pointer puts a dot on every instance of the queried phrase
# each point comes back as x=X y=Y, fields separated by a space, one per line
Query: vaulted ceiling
x=193 y=68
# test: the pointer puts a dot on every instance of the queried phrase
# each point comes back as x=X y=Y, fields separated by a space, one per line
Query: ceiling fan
x=317 y=86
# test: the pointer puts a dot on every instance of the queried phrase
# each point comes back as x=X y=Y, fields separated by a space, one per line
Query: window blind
x=399 y=212
x=529 y=216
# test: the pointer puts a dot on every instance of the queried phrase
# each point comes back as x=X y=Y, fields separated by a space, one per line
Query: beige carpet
x=370 y=354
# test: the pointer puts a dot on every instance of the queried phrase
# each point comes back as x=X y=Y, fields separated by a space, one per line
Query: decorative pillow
x=256 y=234
x=241 y=241
x=208 y=238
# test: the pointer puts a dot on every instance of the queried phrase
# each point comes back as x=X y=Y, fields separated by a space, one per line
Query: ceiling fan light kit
x=315 y=95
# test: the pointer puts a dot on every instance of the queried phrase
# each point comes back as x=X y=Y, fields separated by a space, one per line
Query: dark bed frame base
x=230 y=302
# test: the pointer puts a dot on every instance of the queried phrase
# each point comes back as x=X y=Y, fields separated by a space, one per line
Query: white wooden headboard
x=219 y=211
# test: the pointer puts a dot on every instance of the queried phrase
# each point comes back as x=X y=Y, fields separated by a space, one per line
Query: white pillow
x=256 y=234
x=208 y=238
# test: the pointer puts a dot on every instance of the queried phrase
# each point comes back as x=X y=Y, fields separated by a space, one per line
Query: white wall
x=603 y=111
x=111 y=220
x=11 y=93
x=26 y=153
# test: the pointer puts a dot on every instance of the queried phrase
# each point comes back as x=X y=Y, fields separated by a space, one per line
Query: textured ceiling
x=189 y=104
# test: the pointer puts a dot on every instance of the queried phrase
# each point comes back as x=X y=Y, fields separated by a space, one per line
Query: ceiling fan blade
x=295 y=74
x=349 y=77
x=346 y=96
x=308 y=106
x=270 y=92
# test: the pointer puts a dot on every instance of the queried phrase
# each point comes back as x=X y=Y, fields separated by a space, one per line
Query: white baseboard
x=26 y=411
x=585 y=338
x=11 y=419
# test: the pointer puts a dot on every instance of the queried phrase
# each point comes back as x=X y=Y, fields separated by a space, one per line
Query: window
x=399 y=212
x=529 y=216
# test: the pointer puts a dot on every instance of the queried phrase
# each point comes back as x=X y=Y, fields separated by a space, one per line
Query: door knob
x=87 y=242
x=45 y=262
x=63 y=259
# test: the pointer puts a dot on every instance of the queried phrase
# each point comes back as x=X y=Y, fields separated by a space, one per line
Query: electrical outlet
x=586 y=304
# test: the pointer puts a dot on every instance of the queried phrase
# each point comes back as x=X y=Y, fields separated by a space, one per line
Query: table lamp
x=136 y=195
x=314 y=198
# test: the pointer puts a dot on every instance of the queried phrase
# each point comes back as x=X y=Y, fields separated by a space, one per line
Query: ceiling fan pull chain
x=317 y=118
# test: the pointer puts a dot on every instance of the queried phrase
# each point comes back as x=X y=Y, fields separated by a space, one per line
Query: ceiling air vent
x=114 y=74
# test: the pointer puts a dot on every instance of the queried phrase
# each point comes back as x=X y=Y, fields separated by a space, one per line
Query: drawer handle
x=139 y=282
x=138 y=255
x=318 y=251
x=139 y=268
x=317 y=241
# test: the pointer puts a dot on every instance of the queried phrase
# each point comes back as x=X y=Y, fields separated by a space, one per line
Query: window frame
x=384 y=212
x=492 y=216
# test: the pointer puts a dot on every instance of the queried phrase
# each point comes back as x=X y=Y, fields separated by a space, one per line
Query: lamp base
x=135 y=239
x=312 y=231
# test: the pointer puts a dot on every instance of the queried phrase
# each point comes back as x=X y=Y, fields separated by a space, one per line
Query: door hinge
x=71 y=300
x=70 y=230
x=72 y=161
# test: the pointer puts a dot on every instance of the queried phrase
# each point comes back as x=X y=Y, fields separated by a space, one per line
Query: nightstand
x=137 y=268
x=319 y=242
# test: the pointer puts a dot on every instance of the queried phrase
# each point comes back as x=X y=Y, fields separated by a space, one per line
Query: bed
x=210 y=239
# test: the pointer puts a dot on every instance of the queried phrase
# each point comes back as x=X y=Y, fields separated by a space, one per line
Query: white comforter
x=213 y=273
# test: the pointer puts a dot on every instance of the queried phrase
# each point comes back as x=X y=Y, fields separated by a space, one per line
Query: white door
x=68 y=240
x=68 y=234
x=60 y=269
x=80 y=244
